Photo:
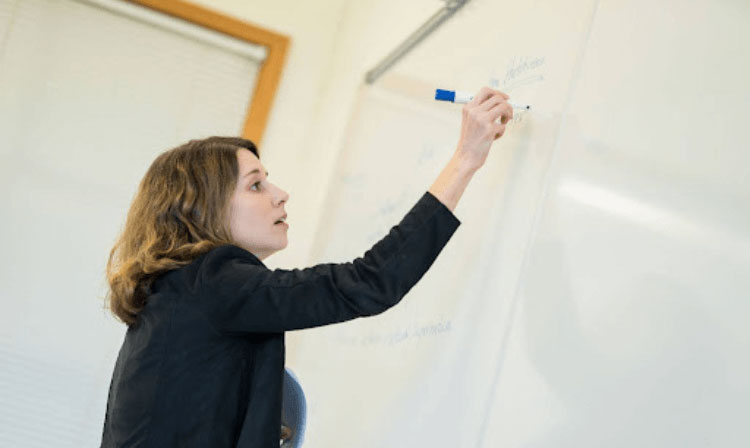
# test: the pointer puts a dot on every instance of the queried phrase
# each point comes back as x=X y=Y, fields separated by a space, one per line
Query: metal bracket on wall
x=437 y=19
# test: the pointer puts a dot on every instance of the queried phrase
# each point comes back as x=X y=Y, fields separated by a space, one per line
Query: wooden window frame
x=269 y=74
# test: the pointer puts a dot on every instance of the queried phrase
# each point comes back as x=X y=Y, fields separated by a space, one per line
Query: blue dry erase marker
x=456 y=96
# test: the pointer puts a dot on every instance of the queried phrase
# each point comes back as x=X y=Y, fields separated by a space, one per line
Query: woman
x=203 y=357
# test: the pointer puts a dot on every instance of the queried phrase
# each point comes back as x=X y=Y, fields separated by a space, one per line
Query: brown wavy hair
x=179 y=213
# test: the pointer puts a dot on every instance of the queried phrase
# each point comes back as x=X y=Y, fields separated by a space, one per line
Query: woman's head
x=255 y=207
x=193 y=198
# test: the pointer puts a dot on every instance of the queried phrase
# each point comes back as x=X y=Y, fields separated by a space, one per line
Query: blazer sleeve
x=241 y=295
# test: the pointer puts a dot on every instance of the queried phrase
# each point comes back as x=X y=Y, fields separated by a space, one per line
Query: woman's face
x=255 y=206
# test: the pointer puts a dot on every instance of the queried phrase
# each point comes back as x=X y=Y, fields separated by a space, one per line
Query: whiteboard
x=595 y=293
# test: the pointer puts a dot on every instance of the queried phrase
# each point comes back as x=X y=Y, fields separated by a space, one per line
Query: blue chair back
x=293 y=409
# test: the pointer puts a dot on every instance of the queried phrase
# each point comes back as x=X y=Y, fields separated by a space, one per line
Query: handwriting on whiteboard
x=397 y=336
x=523 y=70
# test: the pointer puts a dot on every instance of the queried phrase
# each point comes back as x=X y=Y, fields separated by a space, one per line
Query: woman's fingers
x=503 y=111
x=491 y=102
x=499 y=131
x=494 y=97
x=481 y=96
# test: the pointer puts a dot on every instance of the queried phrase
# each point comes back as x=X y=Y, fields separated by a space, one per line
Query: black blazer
x=204 y=363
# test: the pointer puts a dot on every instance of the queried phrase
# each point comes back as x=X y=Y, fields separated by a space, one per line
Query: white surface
x=596 y=292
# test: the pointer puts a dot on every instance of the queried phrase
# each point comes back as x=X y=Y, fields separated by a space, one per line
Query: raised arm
x=479 y=128
x=239 y=294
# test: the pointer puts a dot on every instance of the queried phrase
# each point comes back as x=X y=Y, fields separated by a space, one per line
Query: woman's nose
x=281 y=195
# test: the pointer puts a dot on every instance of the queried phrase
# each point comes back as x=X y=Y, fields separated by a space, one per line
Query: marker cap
x=445 y=95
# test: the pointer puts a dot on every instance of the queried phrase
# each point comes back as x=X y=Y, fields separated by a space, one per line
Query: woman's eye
x=256 y=183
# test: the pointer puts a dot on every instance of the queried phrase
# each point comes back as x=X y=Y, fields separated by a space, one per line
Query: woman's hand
x=479 y=126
